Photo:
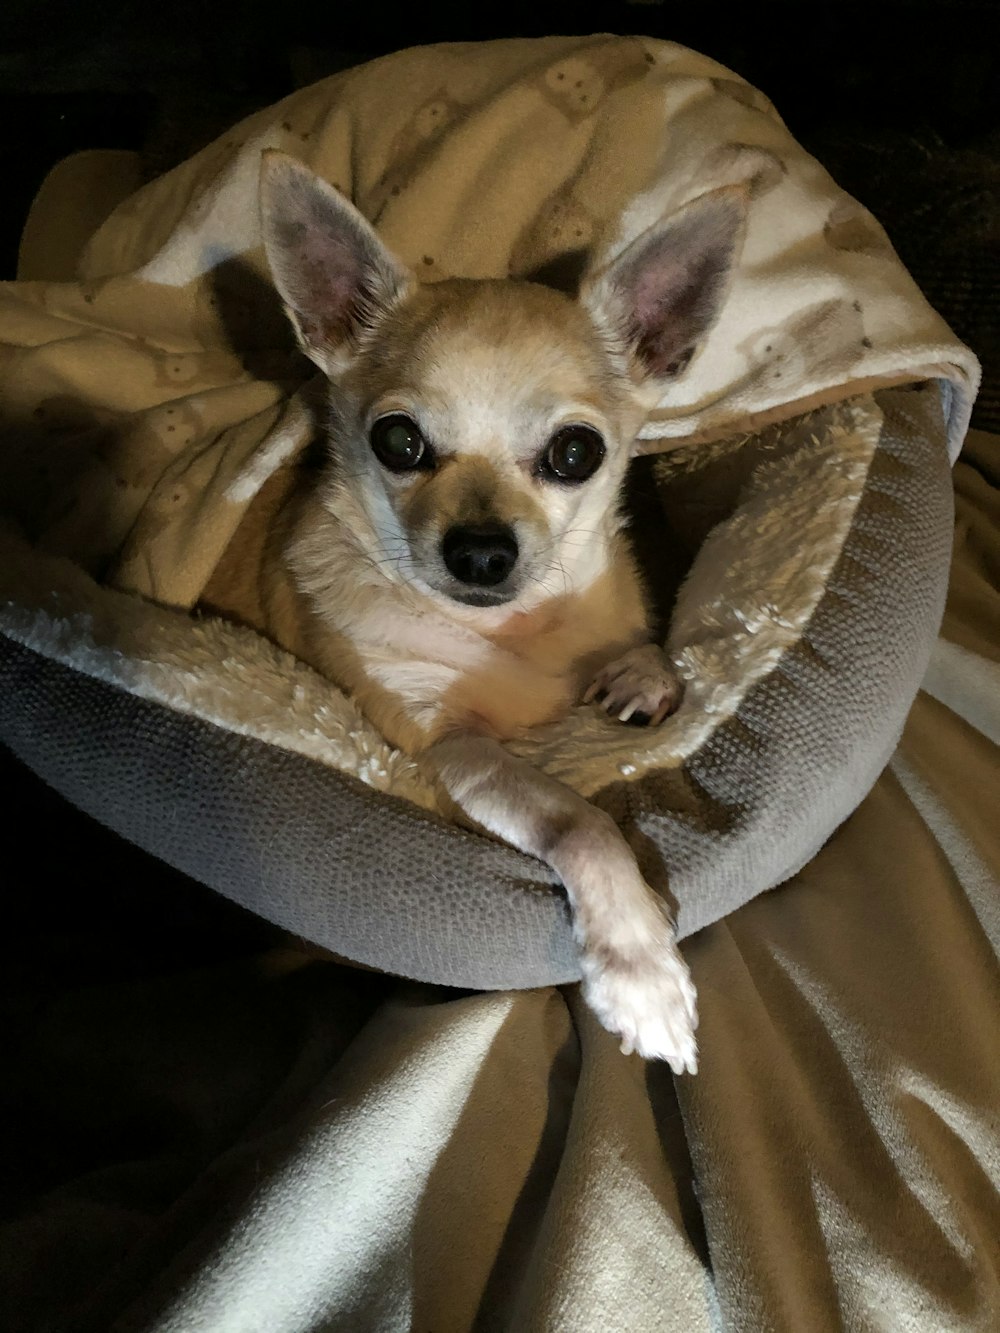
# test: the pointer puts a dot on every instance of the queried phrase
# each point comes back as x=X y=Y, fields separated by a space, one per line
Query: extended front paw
x=640 y=687
x=646 y=998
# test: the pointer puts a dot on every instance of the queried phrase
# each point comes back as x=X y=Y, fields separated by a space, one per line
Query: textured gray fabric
x=380 y=882
x=373 y=878
x=770 y=786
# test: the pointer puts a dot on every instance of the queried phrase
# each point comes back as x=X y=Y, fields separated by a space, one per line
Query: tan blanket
x=151 y=398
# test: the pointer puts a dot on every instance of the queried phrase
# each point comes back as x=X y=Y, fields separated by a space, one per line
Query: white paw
x=640 y=687
x=647 y=998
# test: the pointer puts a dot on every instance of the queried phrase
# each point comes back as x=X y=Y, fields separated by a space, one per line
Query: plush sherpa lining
x=752 y=590
x=750 y=593
x=220 y=672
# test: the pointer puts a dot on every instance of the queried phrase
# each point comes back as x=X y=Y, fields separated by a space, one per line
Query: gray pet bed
x=811 y=555
x=378 y=880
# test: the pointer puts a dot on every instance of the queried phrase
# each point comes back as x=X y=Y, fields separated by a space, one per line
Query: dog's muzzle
x=482 y=556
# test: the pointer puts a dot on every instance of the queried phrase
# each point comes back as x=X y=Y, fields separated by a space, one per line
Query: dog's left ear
x=665 y=291
x=335 y=277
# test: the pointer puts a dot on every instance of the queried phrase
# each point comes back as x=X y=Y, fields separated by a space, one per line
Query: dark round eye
x=397 y=443
x=574 y=453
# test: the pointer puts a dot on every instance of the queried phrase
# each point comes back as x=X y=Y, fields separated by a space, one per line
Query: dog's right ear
x=335 y=277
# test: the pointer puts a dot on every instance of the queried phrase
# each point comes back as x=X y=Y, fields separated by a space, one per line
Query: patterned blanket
x=145 y=403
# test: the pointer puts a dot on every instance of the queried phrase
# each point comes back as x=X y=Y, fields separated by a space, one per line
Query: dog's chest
x=447 y=676
x=529 y=670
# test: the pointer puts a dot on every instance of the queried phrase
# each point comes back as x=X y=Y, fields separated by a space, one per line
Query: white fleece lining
x=749 y=596
x=754 y=586
x=219 y=672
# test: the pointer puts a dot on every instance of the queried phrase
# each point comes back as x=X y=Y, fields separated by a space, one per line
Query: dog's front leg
x=634 y=978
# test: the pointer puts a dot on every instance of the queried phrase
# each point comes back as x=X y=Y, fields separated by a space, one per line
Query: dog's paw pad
x=641 y=687
x=648 y=1000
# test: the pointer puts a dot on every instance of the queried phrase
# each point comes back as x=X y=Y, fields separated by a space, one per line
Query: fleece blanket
x=211 y=1132
x=152 y=397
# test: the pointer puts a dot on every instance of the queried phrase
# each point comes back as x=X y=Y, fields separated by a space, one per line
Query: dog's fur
x=446 y=663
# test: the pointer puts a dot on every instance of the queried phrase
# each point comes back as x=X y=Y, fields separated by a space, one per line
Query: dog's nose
x=482 y=555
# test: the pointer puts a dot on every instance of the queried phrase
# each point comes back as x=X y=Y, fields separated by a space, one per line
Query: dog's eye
x=397 y=443
x=574 y=454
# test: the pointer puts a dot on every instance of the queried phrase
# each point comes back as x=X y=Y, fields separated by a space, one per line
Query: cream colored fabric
x=472 y=1169
x=77 y=196
x=151 y=397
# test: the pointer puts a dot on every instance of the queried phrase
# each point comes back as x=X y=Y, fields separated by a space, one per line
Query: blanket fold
x=148 y=401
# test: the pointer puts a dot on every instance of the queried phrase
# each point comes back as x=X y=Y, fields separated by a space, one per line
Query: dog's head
x=484 y=427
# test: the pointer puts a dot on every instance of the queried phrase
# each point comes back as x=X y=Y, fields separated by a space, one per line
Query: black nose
x=482 y=555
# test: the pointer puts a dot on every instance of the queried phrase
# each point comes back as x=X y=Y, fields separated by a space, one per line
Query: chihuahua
x=461 y=569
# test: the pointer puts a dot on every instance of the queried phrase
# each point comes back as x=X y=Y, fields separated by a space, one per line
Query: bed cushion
x=797 y=479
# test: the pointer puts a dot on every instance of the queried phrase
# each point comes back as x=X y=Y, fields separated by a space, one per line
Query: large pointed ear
x=334 y=275
x=665 y=291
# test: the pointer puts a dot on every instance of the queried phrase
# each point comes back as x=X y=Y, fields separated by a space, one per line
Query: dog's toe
x=649 y=1002
x=640 y=688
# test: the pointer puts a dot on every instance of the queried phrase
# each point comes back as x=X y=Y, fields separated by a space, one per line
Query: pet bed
x=799 y=478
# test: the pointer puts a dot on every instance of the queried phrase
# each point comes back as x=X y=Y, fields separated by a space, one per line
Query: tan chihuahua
x=462 y=567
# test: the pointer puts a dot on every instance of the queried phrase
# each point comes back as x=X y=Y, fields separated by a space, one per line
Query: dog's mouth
x=449 y=589
x=480 y=596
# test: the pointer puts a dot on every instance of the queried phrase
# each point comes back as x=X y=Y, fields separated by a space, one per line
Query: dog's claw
x=640 y=688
